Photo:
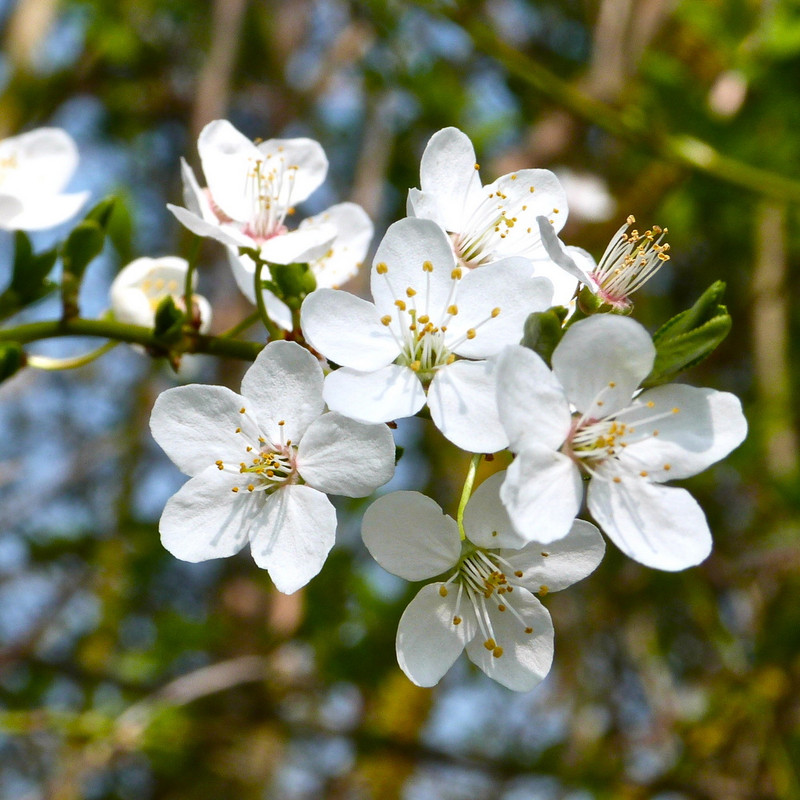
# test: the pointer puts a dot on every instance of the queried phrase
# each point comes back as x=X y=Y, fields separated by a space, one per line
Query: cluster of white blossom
x=452 y=287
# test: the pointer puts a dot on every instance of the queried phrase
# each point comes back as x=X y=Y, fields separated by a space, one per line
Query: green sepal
x=691 y=336
x=12 y=359
x=29 y=276
x=82 y=246
x=293 y=283
x=113 y=216
x=543 y=331
x=169 y=321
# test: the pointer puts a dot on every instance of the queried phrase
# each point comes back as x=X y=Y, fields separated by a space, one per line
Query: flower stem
x=466 y=492
x=53 y=364
x=272 y=328
x=188 y=287
x=247 y=322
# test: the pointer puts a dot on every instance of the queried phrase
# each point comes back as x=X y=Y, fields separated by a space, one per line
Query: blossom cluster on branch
x=481 y=318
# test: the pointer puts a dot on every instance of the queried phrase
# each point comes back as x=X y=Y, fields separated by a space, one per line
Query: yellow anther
x=513 y=177
x=495 y=312
x=281 y=422
x=555 y=211
x=543 y=554
x=451 y=358
x=250 y=487
x=477 y=166
x=501 y=607
x=675 y=410
x=456 y=273
x=668 y=467
x=643 y=473
x=427 y=266
x=528 y=630
x=497 y=652
x=617 y=479
x=631 y=219
x=655 y=432
x=543 y=590
x=424 y=319
x=611 y=384
x=471 y=333
x=238 y=430
x=490 y=644
x=518 y=573
x=443 y=591
x=651 y=404
x=415 y=365
x=242 y=410
x=386 y=320
x=531 y=189
x=401 y=304
x=410 y=292
x=456 y=620
x=235 y=489
x=494 y=533
x=452 y=309
x=381 y=268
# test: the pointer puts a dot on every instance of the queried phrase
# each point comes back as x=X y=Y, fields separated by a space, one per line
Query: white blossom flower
x=337 y=265
x=34 y=169
x=252 y=189
x=586 y=417
x=487 y=604
x=433 y=327
x=260 y=465
x=630 y=260
x=485 y=223
x=140 y=287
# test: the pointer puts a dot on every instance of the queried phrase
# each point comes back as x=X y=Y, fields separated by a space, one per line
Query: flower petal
x=223 y=233
x=424 y=206
x=244 y=270
x=347 y=330
x=448 y=171
x=205 y=519
x=561 y=563
x=39 y=213
x=42 y=162
x=409 y=535
x=338 y=455
x=300 y=246
x=695 y=428
x=486 y=520
x=305 y=158
x=561 y=255
x=284 y=384
x=526 y=657
x=428 y=643
x=195 y=426
x=494 y=302
x=542 y=493
x=389 y=393
x=531 y=402
x=601 y=361
x=346 y=253
x=463 y=401
x=659 y=526
x=407 y=246
x=293 y=535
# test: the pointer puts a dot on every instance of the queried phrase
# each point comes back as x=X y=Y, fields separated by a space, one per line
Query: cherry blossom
x=34 y=169
x=586 y=417
x=428 y=337
x=261 y=463
x=487 y=604
x=140 y=287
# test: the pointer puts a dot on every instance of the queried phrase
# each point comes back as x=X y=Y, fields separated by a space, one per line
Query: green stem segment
x=272 y=328
x=466 y=492
x=188 y=288
x=53 y=364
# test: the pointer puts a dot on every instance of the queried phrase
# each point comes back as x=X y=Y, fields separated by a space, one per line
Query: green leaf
x=82 y=246
x=169 y=321
x=543 y=331
x=29 y=276
x=691 y=336
x=11 y=359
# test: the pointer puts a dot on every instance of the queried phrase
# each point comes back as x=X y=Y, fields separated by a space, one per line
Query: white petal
x=564 y=285
x=284 y=383
x=559 y=564
x=521 y=207
x=526 y=657
x=658 y=526
x=39 y=213
x=195 y=426
x=561 y=256
x=409 y=535
x=300 y=246
x=463 y=401
x=141 y=285
x=531 y=402
x=41 y=162
x=428 y=643
x=338 y=455
x=406 y=247
x=346 y=253
x=542 y=493
x=424 y=206
x=389 y=393
x=293 y=535
x=205 y=519
x=10 y=207
x=227 y=156
x=347 y=330
x=448 y=172
x=601 y=361
x=194 y=198
x=224 y=233
x=486 y=520
x=698 y=428
x=495 y=301
x=305 y=158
